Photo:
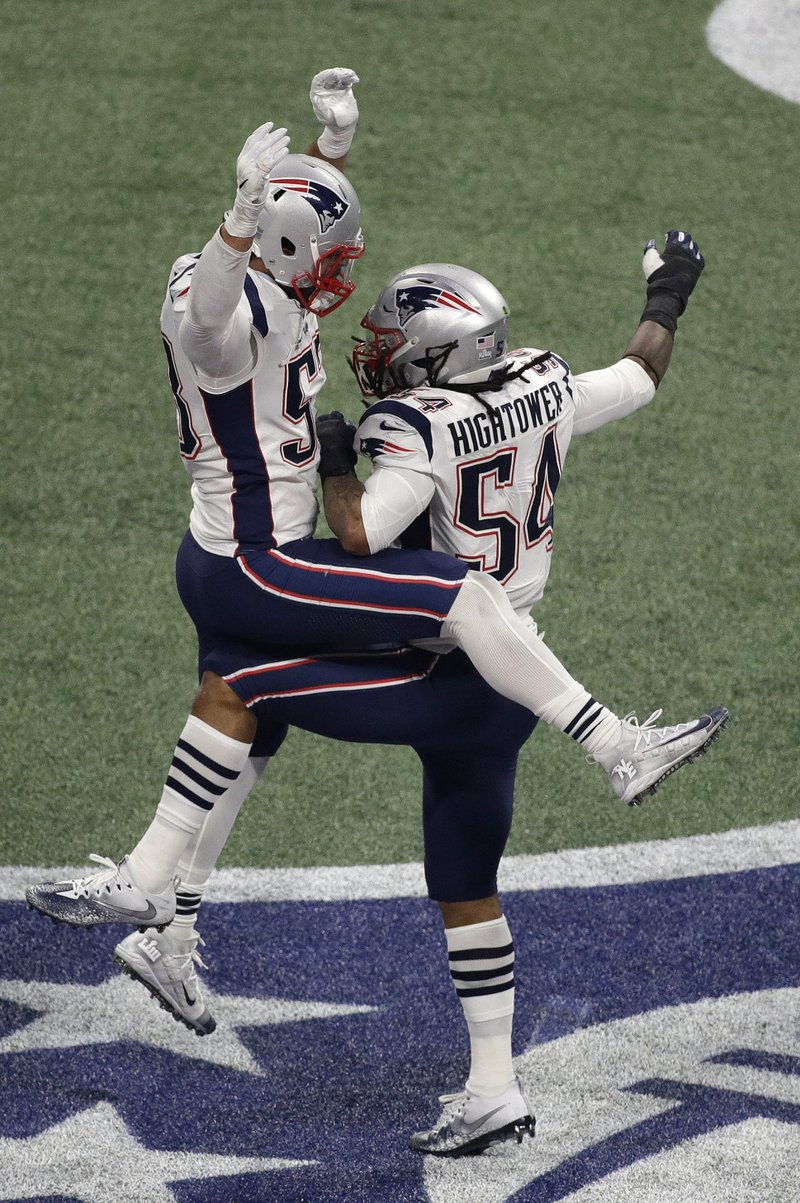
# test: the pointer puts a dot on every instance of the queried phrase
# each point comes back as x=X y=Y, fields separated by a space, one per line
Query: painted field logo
x=656 y=1031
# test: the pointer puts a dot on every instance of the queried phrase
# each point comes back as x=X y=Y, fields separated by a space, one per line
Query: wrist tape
x=333 y=143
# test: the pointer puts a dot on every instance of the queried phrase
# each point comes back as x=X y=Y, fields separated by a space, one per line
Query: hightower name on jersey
x=505 y=421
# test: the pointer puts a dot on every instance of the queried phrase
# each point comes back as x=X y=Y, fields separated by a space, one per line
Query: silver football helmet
x=310 y=232
x=435 y=324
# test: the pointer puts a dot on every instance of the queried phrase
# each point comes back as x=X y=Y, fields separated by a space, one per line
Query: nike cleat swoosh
x=130 y=916
x=478 y=1123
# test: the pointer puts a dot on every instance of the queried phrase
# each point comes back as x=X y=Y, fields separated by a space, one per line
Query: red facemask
x=329 y=285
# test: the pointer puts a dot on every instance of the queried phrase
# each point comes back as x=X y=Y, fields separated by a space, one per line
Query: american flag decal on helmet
x=328 y=205
x=417 y=297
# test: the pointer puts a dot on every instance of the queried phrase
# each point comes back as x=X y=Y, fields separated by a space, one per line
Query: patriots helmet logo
x=417 y=297
x=328 y=204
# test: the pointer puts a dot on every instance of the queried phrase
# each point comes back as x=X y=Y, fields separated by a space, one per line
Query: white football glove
x=260 y=155
x=336 y=107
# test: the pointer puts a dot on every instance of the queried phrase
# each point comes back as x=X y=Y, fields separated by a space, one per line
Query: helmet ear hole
x=288 y=247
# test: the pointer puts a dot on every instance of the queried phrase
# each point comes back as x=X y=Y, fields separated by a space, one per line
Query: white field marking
x=618 y=864
x=759 y=40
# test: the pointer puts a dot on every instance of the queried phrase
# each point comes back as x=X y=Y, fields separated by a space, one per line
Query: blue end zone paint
x=347 y=1091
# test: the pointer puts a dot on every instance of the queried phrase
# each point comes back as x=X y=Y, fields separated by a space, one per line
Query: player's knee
x=465 y=914
x=478 y=600
x=218 y=705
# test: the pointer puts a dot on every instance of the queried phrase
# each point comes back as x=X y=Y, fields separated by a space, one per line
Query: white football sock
x=205 y=764
x=203 y=850
x=481 y=959
x=515 y=660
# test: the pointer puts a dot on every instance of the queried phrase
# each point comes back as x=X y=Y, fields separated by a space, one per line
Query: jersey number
x=473 y=516
x=471 y=512
x=539 y=521
x=297 y=405
x=188 y=440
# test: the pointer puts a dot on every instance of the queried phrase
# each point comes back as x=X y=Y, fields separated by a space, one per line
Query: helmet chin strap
x=433 y=364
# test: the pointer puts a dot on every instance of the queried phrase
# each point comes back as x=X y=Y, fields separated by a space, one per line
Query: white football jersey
x=249 y=443
x=487 y=474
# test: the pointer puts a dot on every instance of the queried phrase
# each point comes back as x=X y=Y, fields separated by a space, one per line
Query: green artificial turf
x=541 y=146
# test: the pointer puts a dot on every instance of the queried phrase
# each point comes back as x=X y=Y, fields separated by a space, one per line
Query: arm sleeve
x=401 y=485
x=610 y=394
x=390 y=502
x=216 y=334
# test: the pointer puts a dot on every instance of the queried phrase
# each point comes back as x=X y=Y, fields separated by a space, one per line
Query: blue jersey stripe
x=232 y=421
x=190 y=267
x=259 y=315
x=412 y=416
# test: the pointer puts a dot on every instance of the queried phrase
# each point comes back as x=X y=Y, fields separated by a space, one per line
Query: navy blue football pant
x=466 y=735
x=312 y=594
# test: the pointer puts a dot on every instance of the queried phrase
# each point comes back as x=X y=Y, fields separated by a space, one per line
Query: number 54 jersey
x=479 y=475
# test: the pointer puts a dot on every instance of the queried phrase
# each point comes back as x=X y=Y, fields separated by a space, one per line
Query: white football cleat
x=164 y=963
x=646 y=754
x=471 y=1122
x=111 y=895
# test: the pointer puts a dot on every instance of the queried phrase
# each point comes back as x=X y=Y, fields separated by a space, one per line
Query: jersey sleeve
x=216 y=330
x=398 y=440
x=610 y=394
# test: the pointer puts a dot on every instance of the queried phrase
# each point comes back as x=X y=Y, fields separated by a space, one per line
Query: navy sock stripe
x=187 y=902
x=214 y=765
x=579 y=716
x=479 y=991
x=185 y=792
x=198 y=778
x=586 y=734
x=481 y=954
x=582 y=730
x=480 y=975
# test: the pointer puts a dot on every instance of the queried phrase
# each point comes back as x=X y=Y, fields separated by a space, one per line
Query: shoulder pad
x=180 y=279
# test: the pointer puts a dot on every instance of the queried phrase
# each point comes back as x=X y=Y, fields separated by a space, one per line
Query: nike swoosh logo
x=190 y=1001
x=392 y=429
x=465 y=1127
x=137 y=916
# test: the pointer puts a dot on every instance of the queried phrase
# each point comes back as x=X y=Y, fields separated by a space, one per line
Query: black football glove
x=336 y=454
x=671 y=277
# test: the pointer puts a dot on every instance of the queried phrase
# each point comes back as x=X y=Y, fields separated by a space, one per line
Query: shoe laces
x=647 y=732
x=454 y=1106
x=96 y=881
x=184 y=958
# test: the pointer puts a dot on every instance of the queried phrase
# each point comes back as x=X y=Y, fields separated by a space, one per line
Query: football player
x=467 y=440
